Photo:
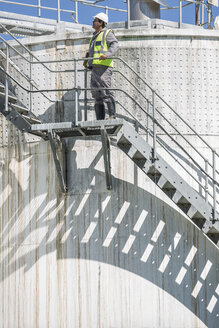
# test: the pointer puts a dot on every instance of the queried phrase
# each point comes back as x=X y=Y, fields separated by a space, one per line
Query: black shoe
x=100 y=111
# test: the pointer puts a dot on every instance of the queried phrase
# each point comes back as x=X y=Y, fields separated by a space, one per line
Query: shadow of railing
x=128 y=228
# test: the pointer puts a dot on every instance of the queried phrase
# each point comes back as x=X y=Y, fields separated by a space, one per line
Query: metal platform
x=83 y=129
x=104 y=129
x=130 y=142
x=141 y=153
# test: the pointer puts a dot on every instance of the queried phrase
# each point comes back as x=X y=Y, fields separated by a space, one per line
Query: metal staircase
x=168 y=180
x=16 y=113
x=143 y=153
x=131 y=143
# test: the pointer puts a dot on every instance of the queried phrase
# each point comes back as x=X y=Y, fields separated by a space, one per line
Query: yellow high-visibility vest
x=100 y=48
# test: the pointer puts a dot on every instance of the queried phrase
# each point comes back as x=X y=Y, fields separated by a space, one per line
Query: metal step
x=11 y=98
x=31 y=120
x=20 y=109
x=170 y=182
x=2 y=87
x=18 y=114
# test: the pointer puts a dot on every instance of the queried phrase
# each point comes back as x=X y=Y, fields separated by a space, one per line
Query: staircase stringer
x=181 y=193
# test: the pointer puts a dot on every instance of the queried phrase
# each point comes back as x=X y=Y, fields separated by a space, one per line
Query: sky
x=86 y=12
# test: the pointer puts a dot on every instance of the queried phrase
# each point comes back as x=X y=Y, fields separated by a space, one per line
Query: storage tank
x=92 y=257
x=141 y=9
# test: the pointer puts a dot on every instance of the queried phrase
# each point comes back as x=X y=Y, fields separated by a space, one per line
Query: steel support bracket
x=153 y=157
x=60 y=169
x=106 y=157
x=16 y=119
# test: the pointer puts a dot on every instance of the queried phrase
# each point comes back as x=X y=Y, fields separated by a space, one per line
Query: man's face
x=97 y=23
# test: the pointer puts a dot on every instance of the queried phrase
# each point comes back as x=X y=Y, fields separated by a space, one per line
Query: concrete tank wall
x=94 y=258
x=181 y=65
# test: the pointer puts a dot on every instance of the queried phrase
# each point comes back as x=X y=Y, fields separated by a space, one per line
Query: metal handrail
x=88 y=3
x=153 y=118
x=39 y=7
x=82 y=59
x=166 y=148
x=166 y=119
x=161 y=98
x=133 y=99
x=26 y=77
x=24 y=47
x=58 y=8
x=201 y=15
x=125 y=63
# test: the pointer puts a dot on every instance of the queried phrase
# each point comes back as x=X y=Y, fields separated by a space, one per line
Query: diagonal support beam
x=59 y=170
x=106 y=157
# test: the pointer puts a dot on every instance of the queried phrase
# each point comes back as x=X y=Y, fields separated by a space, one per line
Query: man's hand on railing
x=102 y=57
x=85 y=61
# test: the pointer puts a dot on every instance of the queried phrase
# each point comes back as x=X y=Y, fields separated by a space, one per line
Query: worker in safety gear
x=102 y=46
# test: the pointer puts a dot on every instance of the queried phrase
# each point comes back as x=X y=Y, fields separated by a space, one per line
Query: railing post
x=39 y=9
x=31 y=85
x=206 y=180
x=76 y=11
x=214 y=184
x=209 y=15
x=154 y=128
x=76 y=91
x=58 y=11
x=203 y=12
x=128 y=14
x=6 y=78
x=85 y=94
x=106 y=10
x=180 y=13
x=148 y=121
x=198 y=13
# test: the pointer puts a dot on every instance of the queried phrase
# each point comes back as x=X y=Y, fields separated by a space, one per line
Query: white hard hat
x=102 y=17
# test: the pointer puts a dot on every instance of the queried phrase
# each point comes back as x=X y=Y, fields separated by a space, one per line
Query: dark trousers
x=101 y=78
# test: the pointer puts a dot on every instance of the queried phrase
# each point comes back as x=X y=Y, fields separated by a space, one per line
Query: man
x=102 y=46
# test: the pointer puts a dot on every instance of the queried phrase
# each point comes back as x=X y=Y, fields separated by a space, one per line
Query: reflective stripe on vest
x=100 y=48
